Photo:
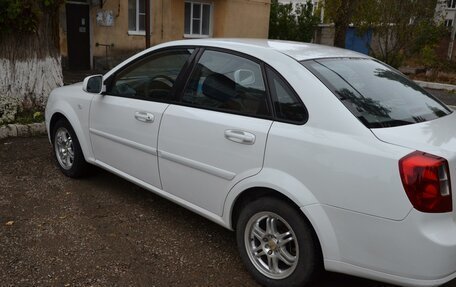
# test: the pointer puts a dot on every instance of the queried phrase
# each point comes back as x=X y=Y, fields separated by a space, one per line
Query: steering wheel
x=168 y=78
x=158 y=88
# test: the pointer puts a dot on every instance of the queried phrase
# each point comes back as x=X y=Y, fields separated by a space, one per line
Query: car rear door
x=124 y=122
x=217 y=135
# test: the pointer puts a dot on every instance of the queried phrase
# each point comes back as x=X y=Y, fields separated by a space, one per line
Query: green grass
x=29 y=117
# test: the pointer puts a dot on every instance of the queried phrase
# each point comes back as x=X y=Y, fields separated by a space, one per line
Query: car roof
x=296 y=50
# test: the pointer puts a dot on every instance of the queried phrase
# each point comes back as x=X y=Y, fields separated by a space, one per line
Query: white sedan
x=319 y=158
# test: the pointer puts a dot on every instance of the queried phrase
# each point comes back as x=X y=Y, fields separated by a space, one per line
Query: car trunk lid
x=437 y=137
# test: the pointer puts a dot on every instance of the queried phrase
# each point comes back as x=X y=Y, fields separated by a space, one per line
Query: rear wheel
x=67 y=151
x=277 y=244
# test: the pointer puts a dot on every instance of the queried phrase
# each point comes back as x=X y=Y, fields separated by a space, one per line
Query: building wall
x=443 y=12
x=230 y=18
x=117 y=34
x=124 y=44
x=241 y=19
x=167 y=20
x=325 y=35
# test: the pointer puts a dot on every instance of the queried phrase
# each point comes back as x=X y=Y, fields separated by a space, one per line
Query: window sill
x=137 y=33
x=196 y=36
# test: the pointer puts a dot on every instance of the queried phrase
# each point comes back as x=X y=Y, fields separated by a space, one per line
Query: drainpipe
x=322 y=12
x=147 y=24
x=453 y=34
x=163 y=19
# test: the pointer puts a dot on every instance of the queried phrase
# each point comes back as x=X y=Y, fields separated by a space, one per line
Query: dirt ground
x=105 y=231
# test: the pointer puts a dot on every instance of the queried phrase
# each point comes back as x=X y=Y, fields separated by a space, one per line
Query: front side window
x=197 y=19
x=152 y=78
x=376 y=94
x=136 y=16
x=228 y=83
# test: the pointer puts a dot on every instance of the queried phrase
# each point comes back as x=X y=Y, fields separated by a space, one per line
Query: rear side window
x=227 y=82
x=288 y=107
x=376 y=94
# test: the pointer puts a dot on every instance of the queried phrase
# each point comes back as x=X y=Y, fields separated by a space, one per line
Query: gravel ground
x=105 y=231
x=100 y=231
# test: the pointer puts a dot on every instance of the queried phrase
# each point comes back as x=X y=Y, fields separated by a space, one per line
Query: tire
x=272 y=258
x=67 y=150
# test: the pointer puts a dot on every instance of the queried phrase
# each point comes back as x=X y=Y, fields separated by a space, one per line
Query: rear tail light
x=426 y=181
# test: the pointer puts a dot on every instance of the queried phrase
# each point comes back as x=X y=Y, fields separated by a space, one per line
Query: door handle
x=241 y=137
x=144 y=117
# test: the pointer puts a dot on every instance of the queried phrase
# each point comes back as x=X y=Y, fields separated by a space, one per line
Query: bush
x=9 y=107
x=292 y=22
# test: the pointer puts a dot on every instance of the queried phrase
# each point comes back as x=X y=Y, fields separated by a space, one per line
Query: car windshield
x=376 y=94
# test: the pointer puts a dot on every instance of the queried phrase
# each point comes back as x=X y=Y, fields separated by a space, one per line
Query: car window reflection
x=376 y=94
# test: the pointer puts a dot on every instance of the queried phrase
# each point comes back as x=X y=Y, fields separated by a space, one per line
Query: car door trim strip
x=228 y=175
x=129 y=143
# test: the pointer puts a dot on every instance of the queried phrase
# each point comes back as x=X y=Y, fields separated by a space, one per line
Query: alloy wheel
x=271 y=245
x=64 y=149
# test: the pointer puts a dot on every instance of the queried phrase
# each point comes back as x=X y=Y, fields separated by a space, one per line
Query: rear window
x=376 y=94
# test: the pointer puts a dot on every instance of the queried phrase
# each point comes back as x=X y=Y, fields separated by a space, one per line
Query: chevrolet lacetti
x=318 y=157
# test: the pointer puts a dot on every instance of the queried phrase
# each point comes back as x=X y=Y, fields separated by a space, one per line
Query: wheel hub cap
x=64 y=149
x=271 y=245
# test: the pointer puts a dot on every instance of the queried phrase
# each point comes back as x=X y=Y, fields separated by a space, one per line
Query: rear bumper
x=346 y=268
x=417 y=251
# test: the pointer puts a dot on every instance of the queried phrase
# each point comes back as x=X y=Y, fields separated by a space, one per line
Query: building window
x=197 y=19
x=448 y=23
x=451 y=3
x=136 y=16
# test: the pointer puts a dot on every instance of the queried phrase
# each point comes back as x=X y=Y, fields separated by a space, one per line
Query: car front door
x=125 y=120
x=217 y=135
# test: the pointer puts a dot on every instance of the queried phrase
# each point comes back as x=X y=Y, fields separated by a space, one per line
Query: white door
x=124 y=123
x=217 y=136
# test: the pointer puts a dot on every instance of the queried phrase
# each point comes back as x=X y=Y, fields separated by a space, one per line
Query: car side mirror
x=93 y=84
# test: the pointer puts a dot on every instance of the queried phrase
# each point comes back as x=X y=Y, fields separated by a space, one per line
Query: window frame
x=183 y=79
x=269 y=95
x=164 y=51
x=451 y=4
x=137 y=14
x=211 y=12
x=194 y=64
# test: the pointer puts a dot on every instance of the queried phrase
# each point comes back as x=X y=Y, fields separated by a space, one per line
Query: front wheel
x=277 y=244
x=67 y=151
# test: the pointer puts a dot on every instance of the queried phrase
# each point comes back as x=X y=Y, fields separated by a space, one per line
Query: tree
x=282 y=21
x=292 y=22
x=307 y=22
x=30 y=64
x=401 y=28
x=341 y=13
